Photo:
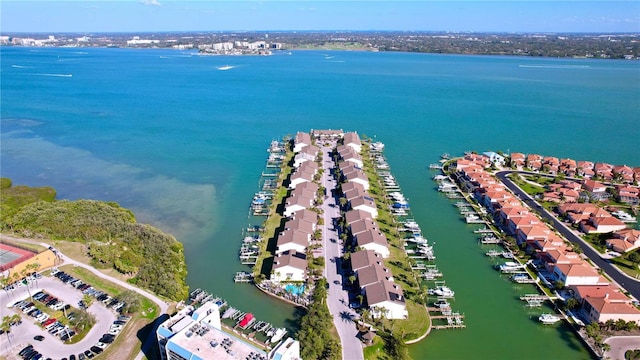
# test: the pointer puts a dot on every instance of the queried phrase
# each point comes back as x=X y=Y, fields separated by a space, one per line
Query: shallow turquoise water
x=182 y=144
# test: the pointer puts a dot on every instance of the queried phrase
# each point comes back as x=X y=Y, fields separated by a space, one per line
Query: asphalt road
x=337 y=296
x=629 y=284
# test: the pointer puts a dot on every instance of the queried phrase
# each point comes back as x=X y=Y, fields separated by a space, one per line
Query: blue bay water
x=182 y=144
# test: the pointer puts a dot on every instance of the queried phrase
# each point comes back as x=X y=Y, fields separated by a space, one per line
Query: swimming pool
x=294 y=289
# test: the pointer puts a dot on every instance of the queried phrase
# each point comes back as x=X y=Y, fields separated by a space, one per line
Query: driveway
x=337 y=296
x=619 y=345
x=51 y=346
x=629 y=284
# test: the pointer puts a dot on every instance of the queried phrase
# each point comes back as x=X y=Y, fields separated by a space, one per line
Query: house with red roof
x=604 y=170
x=534 y=162
x=517 y=160
x=585 y=169
x=596 y=190
x=576 y=274
x=604 y=302
x=601 y=224
x=568 y=167
x=628 y=194
x=625 y=240
x=623 y=173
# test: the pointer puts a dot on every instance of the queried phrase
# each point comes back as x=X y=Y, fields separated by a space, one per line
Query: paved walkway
x=337 y=296
x=66 y=260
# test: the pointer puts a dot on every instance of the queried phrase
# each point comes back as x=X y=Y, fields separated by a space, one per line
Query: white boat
x=442 y=291
x=442 y=304
x=509 y=266
x=549 y=319
x=226 y=67
x=278 y=335
x=411 y=225
x=473 y=219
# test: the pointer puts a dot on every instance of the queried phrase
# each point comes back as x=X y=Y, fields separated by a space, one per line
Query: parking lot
x=51 y=346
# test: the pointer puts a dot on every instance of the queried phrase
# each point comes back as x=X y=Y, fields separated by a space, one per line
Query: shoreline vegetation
x=556 y=45
x=107 y=233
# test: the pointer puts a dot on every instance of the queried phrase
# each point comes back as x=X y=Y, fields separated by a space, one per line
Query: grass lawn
x=75 y=250
x=414 y=326
x=375 y=351
x=627 y=266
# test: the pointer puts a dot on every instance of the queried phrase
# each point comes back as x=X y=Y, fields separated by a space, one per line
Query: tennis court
x=11 y=256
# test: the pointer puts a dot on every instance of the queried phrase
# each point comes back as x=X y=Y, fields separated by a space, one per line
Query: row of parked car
x=87 y=289
x=29 y=353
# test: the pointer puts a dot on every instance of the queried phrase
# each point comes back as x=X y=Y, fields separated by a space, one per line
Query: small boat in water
x=442 y=291
x=226 y=67
x=548 y=319
x=279 y=333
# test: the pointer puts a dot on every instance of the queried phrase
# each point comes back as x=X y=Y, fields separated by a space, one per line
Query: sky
x=90 y=16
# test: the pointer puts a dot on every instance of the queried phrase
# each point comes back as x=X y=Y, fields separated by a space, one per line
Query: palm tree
x=34 y=267
x=87 y=300
x=7 y=320
x=5 y=281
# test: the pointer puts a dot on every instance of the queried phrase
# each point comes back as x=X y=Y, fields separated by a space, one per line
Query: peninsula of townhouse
x=334 y=225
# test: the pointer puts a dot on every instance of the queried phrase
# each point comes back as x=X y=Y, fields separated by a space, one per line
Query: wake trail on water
x=556 y=66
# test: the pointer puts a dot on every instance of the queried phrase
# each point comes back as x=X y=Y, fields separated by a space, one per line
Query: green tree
x=131 y=300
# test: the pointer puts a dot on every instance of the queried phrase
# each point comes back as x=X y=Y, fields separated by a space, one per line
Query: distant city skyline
x=90 y=16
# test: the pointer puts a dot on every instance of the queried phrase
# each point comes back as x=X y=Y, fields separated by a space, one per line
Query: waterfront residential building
x=196 y=334
x=301 y=225
x=352 y=216
x=385 y=298
x=289 y=266
x=363 y=258
x=373 y=240
x=364 y=203
x=534 y=162
x=301 y=140
x=328 y=134
x=596 y=190
x=295 y=240
x=362 y=225
x=297 y=203
x=359 y=177
x=495 y=158
x=625 y=240
x=300 y=176
x=604 y=170
x=628 y=194
x=601 y=224
x=517 y=160
x=306 y=154
x=305 y=215
x=585 y=169
x=568 y=167
x=601 y=309
x=372 y=274
x=352 y=140
x=352 y=190
x=576 y=274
